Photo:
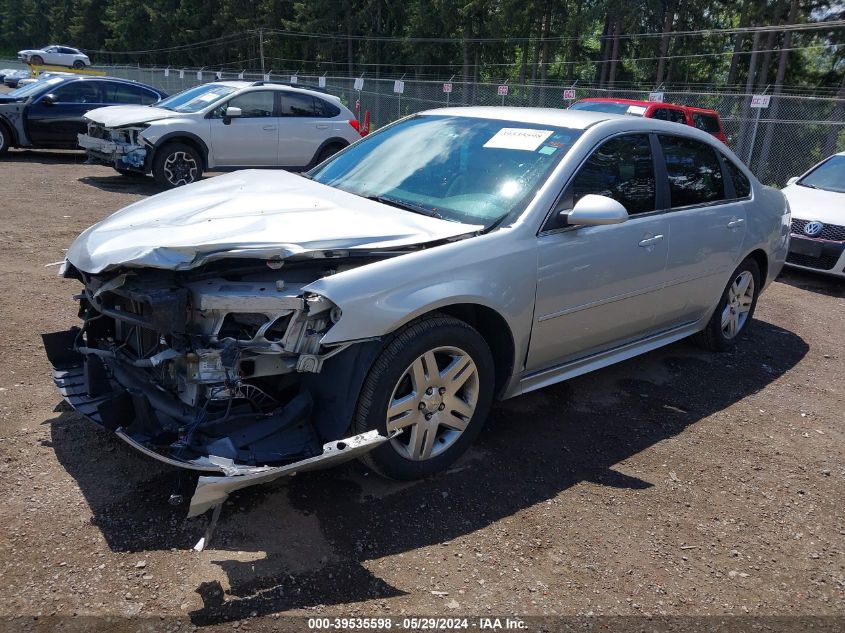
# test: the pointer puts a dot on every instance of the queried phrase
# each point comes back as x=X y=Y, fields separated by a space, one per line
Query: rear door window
x=669 y=114
x=695 y=176
x=128 y=94
x=742 y=186
x=296 y=104
x=707 y=122
x=621 y=169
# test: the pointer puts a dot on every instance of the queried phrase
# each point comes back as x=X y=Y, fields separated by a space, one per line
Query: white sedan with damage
x=262 y=323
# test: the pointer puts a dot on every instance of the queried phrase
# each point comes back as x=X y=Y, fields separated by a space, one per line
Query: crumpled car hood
x=117 y=116
x=253 y=213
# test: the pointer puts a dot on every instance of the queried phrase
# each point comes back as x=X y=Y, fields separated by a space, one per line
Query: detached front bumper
x=113 y=153
x=124 y=408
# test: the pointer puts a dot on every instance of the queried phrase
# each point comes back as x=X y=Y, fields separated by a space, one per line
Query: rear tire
x=177 y=164
x=326 y=153
x=735 y=310
x=434 y=379
x=79 y=64
x=5 y=138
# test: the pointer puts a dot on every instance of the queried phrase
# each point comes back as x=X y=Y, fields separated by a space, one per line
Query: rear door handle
x=651 y=241
x=269 y=128
x=735 y=222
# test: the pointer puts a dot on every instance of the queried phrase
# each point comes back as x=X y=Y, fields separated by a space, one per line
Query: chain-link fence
x=783 y=140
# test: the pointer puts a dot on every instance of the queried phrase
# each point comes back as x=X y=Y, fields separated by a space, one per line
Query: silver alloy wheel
x=180 y=168
x=2 y=138
x=433 y=401
x=740 y=299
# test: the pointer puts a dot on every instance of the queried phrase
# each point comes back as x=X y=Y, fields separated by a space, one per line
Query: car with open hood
x=817 y=199
x=222 y=125
x=261 y=323
x=50 y=112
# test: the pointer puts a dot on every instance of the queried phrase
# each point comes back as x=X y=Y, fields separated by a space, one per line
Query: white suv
x=222 y=125
x=55 y=55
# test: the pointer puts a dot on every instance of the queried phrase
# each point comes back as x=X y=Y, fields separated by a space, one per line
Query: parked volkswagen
x=261 y=323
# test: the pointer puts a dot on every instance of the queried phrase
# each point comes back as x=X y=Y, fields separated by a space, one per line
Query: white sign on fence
x=398 y=86
x=655 y=96
x=181 y=74
x=321 y=81
x=267 y=77
x=502 y=91
x=199 y=75
x=294 y=79
x=569 y=94
x=447 y=88
x=760 y=101
x=167 y=72
x=359 y=84
x=241 y=75
x=218 y=75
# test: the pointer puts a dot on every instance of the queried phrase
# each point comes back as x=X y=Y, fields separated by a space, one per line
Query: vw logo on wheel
x=813 y=228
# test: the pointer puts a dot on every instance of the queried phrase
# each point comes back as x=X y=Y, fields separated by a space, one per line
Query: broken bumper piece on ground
x=111 y=397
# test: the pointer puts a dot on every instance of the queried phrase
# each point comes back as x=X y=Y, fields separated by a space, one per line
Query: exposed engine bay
x=219 y=369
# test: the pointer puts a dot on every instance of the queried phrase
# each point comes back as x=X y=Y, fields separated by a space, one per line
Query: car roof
x=574 y=119
x=648 y=103
x=240 y=85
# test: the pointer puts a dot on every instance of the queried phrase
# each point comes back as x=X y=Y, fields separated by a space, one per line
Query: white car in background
x=55 y=55
x=817 y=199
x=222 y=125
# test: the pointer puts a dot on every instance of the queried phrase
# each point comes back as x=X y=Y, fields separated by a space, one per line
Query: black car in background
x=49 y=113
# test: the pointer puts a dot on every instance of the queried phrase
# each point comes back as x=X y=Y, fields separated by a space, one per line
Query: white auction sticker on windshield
x=518 y=138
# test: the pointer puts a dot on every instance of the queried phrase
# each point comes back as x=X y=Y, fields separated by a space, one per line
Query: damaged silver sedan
x=263 y=323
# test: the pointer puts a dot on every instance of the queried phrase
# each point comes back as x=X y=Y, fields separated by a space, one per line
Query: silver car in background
x=262 y=323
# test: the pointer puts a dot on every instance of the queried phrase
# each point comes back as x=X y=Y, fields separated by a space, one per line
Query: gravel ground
x=677 y=483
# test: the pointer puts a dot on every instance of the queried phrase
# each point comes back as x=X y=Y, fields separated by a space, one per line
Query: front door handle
x=735 y=222
x=269 y=128
x=650 y=241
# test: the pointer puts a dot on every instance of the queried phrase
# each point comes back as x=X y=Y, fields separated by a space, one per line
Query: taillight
x=354 y=123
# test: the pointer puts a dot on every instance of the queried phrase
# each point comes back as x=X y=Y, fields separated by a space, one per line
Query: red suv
x=701 y=118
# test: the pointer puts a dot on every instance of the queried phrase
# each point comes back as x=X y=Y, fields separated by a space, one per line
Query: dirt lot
x=678 y=483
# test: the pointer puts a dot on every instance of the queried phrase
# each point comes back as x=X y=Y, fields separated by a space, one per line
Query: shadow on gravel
x=45 y=156
x=308 y=546
x=813 y=282
x=139 y=184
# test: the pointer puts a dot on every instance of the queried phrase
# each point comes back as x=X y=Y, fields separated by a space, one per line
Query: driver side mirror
x=231 y=113
x=49 y=99
x=792 y=180
x=594 y=210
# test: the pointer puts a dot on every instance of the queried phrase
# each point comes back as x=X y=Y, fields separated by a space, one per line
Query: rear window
x=298 y=104
x=610 y=107
x=695 y=176
x=707 y=122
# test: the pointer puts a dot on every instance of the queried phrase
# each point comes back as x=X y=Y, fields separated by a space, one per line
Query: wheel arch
x=762 y=260
x=187 y=138
x=496 y=332
x=14 y=141
x=335 y=141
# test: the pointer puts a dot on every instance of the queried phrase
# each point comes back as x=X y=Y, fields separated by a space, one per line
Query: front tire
x=434 y=381
x=735 y=310
x=177 y=164
x=5 y=138
x=36 y=60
